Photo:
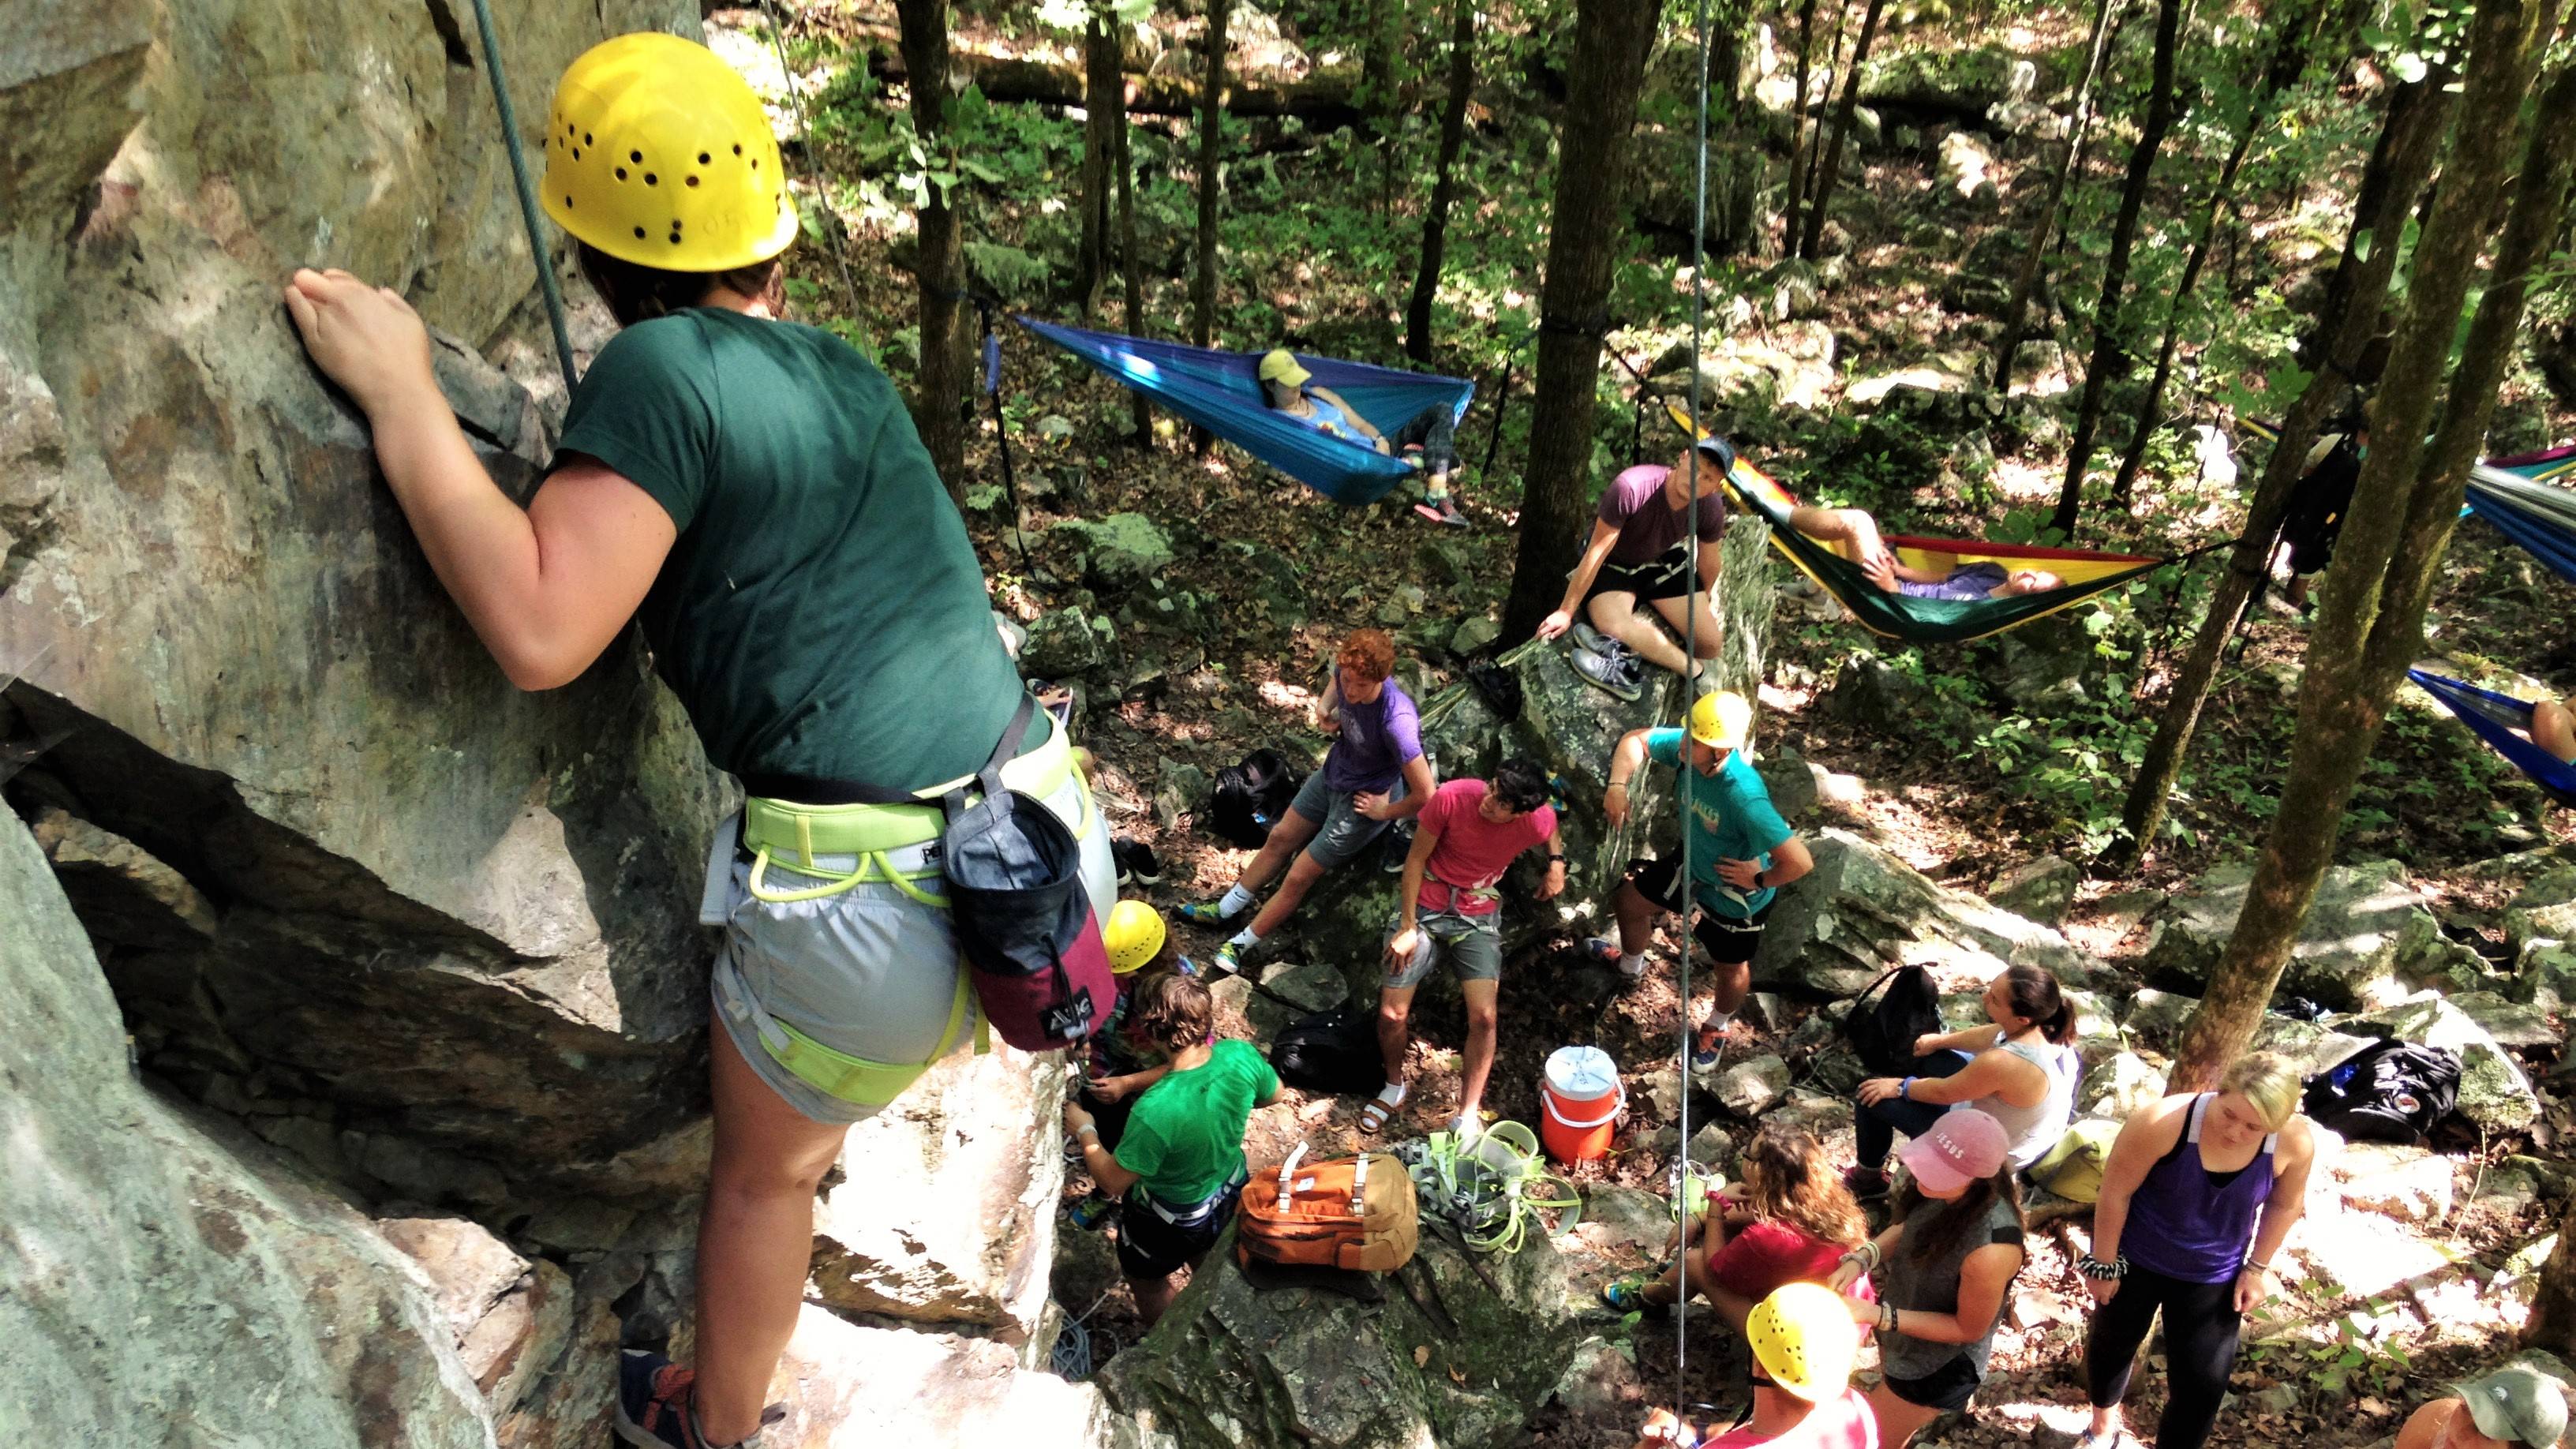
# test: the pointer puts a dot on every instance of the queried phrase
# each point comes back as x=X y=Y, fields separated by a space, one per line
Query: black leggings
x=1436 y=429
x=1874 y=1127
x=2201 y=1324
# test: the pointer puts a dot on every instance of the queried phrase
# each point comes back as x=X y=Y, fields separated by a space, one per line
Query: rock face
x=1863 y=911
x=849 y=1386
x=1235 y=1366
x=2367 y=930
x=178 y=1266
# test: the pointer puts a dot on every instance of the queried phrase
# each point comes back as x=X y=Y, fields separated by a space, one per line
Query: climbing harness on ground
x=1491 y=1188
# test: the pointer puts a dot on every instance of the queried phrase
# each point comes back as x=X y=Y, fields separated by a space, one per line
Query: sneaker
x=1137 y=863
x=1399 y=844
x=1604 y=951
x=1228 y=961
x=1865 y=1182
x=1609 y=673
x=1090 y=1214
x=1203 y=913
x=1628 y=1295
x=1706 y=1058
x=1587 y=637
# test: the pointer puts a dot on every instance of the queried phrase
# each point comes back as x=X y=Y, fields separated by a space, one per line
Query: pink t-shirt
x=1635 y=504
x=1766 y=1253
x=1844 y=1423
x=1473 y=852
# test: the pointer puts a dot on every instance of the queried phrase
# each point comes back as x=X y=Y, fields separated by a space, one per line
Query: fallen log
x=1323 y=100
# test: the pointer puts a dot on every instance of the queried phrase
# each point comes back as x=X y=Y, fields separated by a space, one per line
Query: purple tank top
x=2189 y=1223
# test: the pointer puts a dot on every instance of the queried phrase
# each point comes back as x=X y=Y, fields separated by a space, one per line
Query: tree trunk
x=1132 y=264
x=2370 y=623
x=1103 y=114
x=2110 y=345
x=2553 y=1305
x=2409 y=141
x=1435 y=224
x=1378 y=89
x=1833 y=71
x=1211 y=147
x=2017 y=313
x=1799 y=151
x=939 y=403
x=2289 y=58
x=1815 y=235
x=1586 y=234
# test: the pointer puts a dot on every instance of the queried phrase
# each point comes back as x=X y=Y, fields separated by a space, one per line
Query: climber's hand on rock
x=366 y=339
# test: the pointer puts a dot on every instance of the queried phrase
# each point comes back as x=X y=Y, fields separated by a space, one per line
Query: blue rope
x=527 y=193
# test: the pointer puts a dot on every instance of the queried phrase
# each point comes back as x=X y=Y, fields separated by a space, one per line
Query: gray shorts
x=868 y=970
x=1474 y=944
x=1345 y=831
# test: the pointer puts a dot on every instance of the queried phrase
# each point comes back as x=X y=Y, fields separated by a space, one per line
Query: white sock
x=1717 y=1023
x=1247 y=937
x=1633 y=966
x=1236 y=898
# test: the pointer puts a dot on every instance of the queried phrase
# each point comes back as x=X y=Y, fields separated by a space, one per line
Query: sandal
x=1379 y=1110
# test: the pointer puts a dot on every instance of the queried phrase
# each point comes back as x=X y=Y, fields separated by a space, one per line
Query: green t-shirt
x=822 y=612
x=1731 y=819
x=1185 y=1134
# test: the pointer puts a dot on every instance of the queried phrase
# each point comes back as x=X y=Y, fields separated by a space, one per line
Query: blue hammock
x=2495 y=717
x=1221 y=392
x=2538 y=515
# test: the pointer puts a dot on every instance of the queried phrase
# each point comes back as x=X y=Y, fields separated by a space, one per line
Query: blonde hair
x=2269 y=1081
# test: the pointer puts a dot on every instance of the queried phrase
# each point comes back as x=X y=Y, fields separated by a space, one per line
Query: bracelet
x=2095 y=1268
x=1905 y=1089
x=1558 y=859
x=1869 y=1248
x=2252 y=1266
x=1618 y=784
x=1086 y=1127
x=1886 y=1317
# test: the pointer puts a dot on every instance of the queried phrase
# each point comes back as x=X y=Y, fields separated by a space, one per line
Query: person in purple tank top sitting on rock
x=2198 y=1194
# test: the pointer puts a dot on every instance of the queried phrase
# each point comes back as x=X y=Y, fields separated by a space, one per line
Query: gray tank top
x=1933 y=1287
x=2031 y=1131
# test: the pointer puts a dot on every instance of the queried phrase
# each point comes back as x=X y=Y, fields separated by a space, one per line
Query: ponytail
x=2036 y=996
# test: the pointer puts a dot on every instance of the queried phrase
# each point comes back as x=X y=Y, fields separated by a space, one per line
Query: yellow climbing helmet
x=658 y=153
x=1721 y=719
x=1804 y=1338
x=1134 y=935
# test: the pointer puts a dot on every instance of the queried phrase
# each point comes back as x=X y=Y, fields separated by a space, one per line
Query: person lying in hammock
x=1854 y=534
x=1428 y=440
x=2553 y=727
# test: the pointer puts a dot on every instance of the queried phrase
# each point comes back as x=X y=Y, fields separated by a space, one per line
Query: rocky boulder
x=1965 y=161
x=1063 y=643
x=1863 y=911
x=845 y=1384
x=1121 y=551
x=2543 y=913
x=2041 y=889
x=2119 y=1086
x=1233 y=1365
x=177 y=1264
x=2366 y=935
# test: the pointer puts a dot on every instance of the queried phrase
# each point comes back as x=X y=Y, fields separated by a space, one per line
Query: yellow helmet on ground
x=1721 y=719
x=1803 y=1336
x=658 y=153
x=1134 y=935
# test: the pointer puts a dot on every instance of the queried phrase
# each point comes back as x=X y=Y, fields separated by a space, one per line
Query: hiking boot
x=1203 y=913
x=1137 y=864
x=1609 y=673
x=654 y=1408
x=1865 y=1183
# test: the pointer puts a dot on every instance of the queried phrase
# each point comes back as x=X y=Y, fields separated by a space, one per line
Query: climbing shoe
x=655 y=1409
x=1091 y=1213
x=1204 y=913
x=1609 y=672
x=1628 y=1295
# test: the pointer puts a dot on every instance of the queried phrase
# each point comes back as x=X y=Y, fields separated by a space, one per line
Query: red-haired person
x=1375 y=776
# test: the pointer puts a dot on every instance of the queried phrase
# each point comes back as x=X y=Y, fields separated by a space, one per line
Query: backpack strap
x=1359 y=1188
x=1288 y=1169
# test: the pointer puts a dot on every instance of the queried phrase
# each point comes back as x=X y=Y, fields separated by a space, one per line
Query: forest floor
x=1234 y=672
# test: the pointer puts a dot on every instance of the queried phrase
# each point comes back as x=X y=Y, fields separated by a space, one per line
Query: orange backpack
x=1342 y=1212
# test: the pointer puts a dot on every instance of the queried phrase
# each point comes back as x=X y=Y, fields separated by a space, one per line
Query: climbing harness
x=1490 y=1188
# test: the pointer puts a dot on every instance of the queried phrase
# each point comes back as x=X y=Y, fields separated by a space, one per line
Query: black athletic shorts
x=1945 y=1388
x=1728 y=940
x=1665 y=576
x=1150 y=1247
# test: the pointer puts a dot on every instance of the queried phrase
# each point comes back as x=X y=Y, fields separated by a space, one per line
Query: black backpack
x=1249 y=797
x=1331 y=1051
x=1884 y=1034
x=2389 y=1091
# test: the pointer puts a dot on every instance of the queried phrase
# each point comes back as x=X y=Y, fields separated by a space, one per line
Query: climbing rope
x=1682 y=793
x=527 y=193
x=1076 y=1356
x=805 y=128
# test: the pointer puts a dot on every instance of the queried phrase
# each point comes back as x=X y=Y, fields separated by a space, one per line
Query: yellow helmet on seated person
x=1134 y=936
x=658 y=153
x=1803 y=1336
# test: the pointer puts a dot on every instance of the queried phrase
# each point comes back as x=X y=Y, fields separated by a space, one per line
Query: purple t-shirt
x=1378 y=738
x=1634 y=504
x=1967 y=581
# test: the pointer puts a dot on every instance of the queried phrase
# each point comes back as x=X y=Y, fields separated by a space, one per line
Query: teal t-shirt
x=1185 y=1134
x=822 y=612
x=1731 y=819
